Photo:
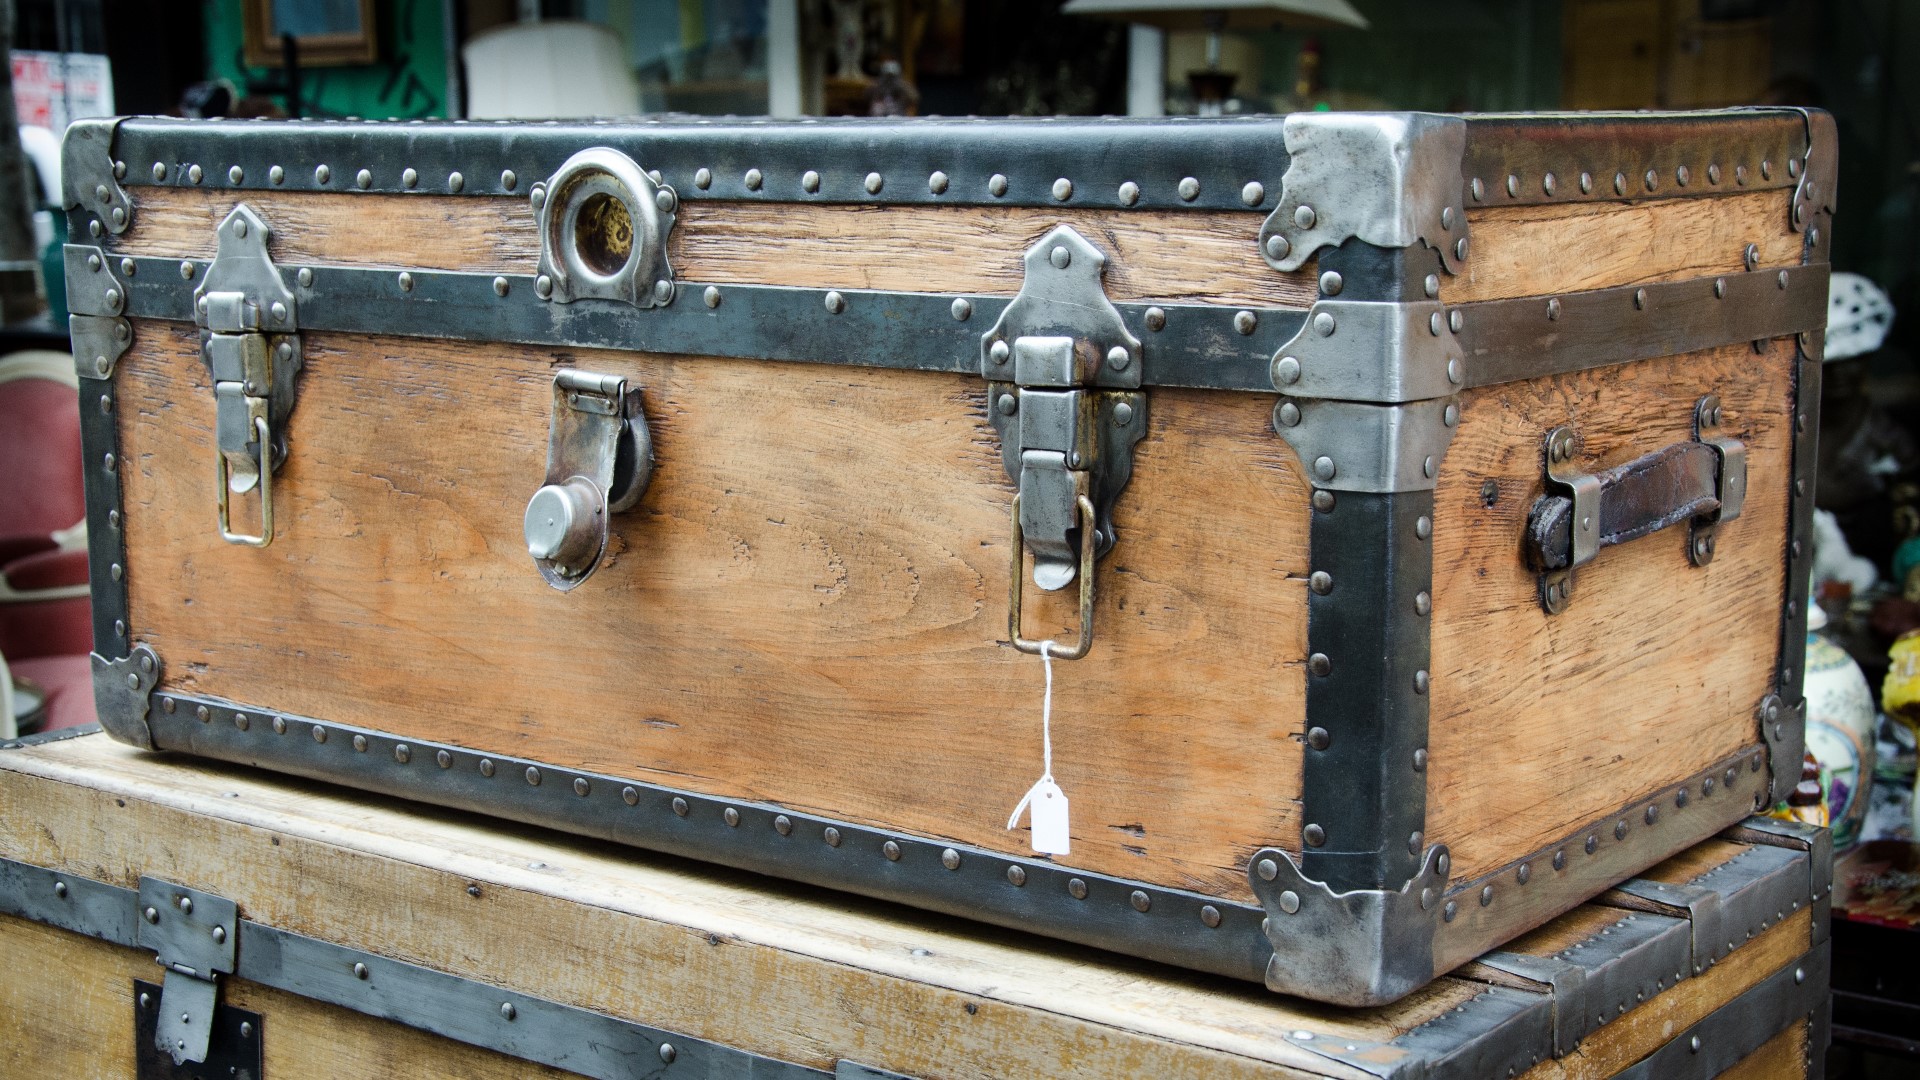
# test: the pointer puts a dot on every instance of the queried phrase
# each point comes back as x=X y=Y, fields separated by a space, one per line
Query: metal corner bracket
x=90 y=177
x=1359 y=948
x=193 y=935
x=1817 y=195
x=1390 y=179
x=250 y=337
x=1063 y=393
x=1364 y=447
x=122 y=693
x=1373 y=351
x=603 y=223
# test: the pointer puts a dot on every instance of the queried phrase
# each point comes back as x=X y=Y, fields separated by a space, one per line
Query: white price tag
x=1048 y=807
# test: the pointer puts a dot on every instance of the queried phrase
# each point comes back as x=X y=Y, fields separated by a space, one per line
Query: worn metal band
x=1196 y=345
x=1787 y=737
x=1605 y=157
x=1531 y=337
x=1738 y=1029
x=1627 y=963
x=529 y=1028
x=1149 y=921
x=1363 y=790
x=106 y=541
x=1728 y=905
x=1000 y=162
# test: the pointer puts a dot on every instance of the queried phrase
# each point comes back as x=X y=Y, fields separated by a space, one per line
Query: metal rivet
x=1287 y=415
x=680 y=806
x=1486 y=896
x=1122 y=414
x=151 y=915
x=1421 y=681
x=936 y=182
x=1524 y=873
x=1156 y=319
x=997 y=185
x=1290 y=902
x=507 y=1010
x=402 y=753
x=94 y=264
x=1651 y=179
x=455 y=182
x=1304 y=217
x=711 y=296
x=1620 y=829
x=543 y=286
x=1286 y=370
x=832 y=836
x=783 y=824
x=1318 y=738
x=159 y=172
x=120 y=630
x=1423 y=527
x=1063 y=189
x=1314 y=835
x=1254 y=193
x=202 y=713
x=1783 y=279
x=409 y=177
x=1278 y=246
x=1478 y=189
x=1422 y=603
x=1446 y=218
x=891 y=850
x=508 y=181
x=1450 y=911
x=113 y=516
x=1267 y=869
x=1586 y=183
x=1321 y=582
x=1593 y=843
x=279 y=725
x=731 y=816
x=443 y=759
x=1129 y=193
x=193 y=174
x=363 y=179
x=305 y=277
x=1077 y=889
x=60 y=889
x=1799 y=975
x=835 y=302
x=1694 y=1044
x=581 y=786
x=1639 y=299
x=1245 y=322
x=1016 y=876
x=1324 y=468
x=1432 y=285
x=1679 y=799
x=1007 y=405
x=1189 y=189
x=1323 y=501
x=1513 y=186
x=668 y=1053
x=1140 y=900
x=533 y=776
x=319 y=734
x=1324 y=324
x=1118 y=358
x=360 y=744
x=1209 y=915
x=406 y=281
x=950 y=859
x=1320 y=664
x=117 y=571
x=1455 y=320
x=1681 y=175
x=875 y=182
x=703 y=178
x=1766 y=170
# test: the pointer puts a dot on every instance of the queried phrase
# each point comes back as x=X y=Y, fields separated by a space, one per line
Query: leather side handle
x=1655 y=491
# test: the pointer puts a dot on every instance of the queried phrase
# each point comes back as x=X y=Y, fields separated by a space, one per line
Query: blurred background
x=483 y=59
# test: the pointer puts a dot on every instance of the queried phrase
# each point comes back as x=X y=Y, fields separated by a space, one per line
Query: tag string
x=1046 y=714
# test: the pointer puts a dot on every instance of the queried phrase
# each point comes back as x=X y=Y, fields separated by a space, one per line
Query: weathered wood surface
x=1168 y=256
x=1541 y=723
x=794 y=973
x=1537 y=250
x=808 y=606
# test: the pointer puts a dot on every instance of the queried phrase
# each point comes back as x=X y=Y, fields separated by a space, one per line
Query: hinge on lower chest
x=192 y=935
x=1063 y=391
x=252 y=348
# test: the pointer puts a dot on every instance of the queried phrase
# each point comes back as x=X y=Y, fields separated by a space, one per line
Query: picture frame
x=329 y=33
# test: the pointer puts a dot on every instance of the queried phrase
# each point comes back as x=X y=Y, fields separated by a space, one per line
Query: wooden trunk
x=1304 y=370
x=374 y=939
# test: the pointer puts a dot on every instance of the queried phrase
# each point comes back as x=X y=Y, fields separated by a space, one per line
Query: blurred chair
x=45 y=618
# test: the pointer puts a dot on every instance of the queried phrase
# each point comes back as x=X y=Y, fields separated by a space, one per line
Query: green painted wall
x=409 y=81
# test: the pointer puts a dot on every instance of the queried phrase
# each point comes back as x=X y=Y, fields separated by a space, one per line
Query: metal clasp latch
x=599 y=460
x=1063 y=393
x=252 y=349
x=193 y=935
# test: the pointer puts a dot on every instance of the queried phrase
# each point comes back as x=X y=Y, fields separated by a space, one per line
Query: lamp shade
x=1226 y=14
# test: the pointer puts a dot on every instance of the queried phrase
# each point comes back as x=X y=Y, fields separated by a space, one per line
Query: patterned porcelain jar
x=1840 y=720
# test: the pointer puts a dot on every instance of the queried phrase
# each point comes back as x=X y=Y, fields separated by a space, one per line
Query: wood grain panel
x=73 y=1017
x=1173 y=257
x=807 y=608
x=793 y=973
x=1538 y=250
x=1541 y=723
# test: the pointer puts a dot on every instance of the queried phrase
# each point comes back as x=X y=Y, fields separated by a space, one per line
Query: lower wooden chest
x=348 y=936
x=1418 y=505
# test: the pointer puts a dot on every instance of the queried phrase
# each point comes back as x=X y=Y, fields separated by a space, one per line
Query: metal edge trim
x=1186 y=345
x=106 y=541
x=1233 y=164
x=465 y=1010
x=1135 y=918
x=41 y=738
x=1755 y=890
x=1198 y=346
x=1604 y=976
x=1738 y=1029
x=1608 y=157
